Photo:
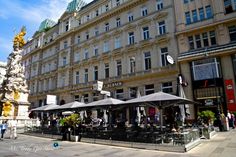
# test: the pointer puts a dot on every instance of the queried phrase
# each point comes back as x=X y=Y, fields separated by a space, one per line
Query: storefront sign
x=229 y=92
x=208 y=102
x=113 y=84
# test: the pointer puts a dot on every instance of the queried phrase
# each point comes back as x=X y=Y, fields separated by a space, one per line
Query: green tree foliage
x=207 y=116
x=72 y=120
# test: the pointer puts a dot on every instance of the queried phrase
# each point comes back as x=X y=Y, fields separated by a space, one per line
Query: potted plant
x=72 y=121
x=207 y=118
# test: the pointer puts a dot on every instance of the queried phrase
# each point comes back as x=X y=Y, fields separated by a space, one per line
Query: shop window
x=133 y=92
x=206 y=69
x=149 y=89
x=167 y=87
x=120 y=94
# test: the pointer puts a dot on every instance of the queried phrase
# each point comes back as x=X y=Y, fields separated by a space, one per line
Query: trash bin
x=76 y=138
x=225 y=123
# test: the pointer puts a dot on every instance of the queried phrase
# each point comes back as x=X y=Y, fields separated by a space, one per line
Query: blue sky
x=17 y=13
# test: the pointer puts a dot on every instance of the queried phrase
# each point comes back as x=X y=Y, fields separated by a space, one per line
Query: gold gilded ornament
x=19 y=41
x=16 y=95
x=7 y=107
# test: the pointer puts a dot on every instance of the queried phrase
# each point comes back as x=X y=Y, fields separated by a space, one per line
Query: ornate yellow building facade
x=124 y=43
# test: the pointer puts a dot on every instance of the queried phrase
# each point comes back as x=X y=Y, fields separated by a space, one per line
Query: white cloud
x=51 y=9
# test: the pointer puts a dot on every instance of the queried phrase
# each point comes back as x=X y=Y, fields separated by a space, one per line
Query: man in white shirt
x=13 y=125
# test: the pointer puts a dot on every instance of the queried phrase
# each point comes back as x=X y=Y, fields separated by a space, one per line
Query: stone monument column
x=14 y=90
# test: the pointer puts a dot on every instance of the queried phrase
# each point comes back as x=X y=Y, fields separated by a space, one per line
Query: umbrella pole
x=161 y=117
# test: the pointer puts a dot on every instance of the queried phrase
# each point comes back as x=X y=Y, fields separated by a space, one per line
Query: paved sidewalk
x=223 y=144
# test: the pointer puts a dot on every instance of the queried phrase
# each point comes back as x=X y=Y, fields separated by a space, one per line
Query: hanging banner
x=229 y=90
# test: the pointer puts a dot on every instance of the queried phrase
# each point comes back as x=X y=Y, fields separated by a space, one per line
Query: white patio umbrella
x=161 y=100
x=104 y=102
x=45 y=108
x=71 y=105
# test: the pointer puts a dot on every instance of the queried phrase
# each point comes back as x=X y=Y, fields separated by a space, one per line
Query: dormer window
x=107 y=7
x=67 y=26
x=117 y=2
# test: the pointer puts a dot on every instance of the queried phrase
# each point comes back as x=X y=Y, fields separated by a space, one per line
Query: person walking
x=3 y=129
x=233 y=120
x=13 y=133
x=0 y=130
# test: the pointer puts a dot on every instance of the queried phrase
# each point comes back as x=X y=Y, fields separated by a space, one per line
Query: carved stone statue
x=14 y=89
x=19 y=41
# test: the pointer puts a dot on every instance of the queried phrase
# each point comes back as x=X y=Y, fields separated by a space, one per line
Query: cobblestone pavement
x=223 y=144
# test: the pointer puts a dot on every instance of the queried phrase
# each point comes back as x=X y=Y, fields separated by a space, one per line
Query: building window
x=159 y=4
x=105 y=46
x=87 y=17
x=191 y=42
x=187 y=17
x=133 y=92
x=77 y=57
x=230 y=6
x=186 y=1
x=130 y=17
x=107 y=7
x=96 y=31
x=147 y=60
x=86 y=54
x=64 y=61
x=118 y=23
x=149 y=89
x=96 y=73
x=86 y=98
x=87 y=35
x=131 y=38
x=232 y=33
x=63 y=80
x=145 y=33
x=161 y=27
x=119 y=94
x=201 y=13
x=76 y=98
x=117 y=2
x=198 y=41
x=78 y=39
x=85 y=75
x=132 y=64
x=65 y=44
x=167 y=87
x=95 y=50
x=106 y=27
x=213 y=37
x=95 y=96
x=106 y=70
x=97 y=13
x=77 y=77
x=67 y=26
x=118 y=68
x=194 y=14
x=206 y=69
x=208 y=12
x=205 y=39
x=164 y=53
x=144 y=11
x=117 y=43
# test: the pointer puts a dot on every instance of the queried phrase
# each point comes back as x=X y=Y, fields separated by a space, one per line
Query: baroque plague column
x=14 y=91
